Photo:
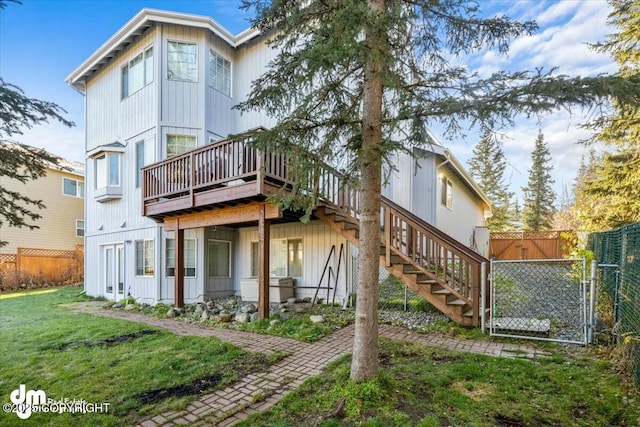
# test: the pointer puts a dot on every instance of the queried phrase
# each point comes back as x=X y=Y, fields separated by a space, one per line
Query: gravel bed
x=410 y=320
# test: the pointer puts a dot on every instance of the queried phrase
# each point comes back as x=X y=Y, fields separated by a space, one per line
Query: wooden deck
x=226 y=173
x=229 y=182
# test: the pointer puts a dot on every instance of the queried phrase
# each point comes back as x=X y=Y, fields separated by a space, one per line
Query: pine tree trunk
x=365 y=345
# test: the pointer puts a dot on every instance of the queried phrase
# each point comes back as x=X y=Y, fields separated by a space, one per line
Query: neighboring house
x=61 y=225
x=177 y=214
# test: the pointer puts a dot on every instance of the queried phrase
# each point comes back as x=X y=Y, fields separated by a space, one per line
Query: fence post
x=483 y=294
x=18 y=260
x=592 y=301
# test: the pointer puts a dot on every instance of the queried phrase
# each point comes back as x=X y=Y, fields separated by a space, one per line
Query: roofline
x=140 y=20
x=460 y=170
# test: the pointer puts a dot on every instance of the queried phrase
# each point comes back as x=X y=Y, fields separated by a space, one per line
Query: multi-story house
x=176 y=213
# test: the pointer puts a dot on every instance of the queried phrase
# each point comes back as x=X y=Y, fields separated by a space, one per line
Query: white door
x=114 y=271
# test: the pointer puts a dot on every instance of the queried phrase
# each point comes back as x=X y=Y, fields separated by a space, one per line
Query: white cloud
x=57 y=139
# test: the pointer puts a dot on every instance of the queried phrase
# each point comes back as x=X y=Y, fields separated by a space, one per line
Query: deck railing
x=222 y=164
x=227 y=163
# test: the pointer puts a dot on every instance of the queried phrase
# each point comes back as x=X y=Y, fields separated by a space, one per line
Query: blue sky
x=43 y=41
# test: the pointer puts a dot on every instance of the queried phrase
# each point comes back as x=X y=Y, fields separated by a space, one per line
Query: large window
x=219 y=258
x=447 y=193
x=220 y=74
x=178 y=144
x=189 y=257
x=145 y=258
x=138 y=72
x=72 y=187
x=182 y=61
x=107 y=170
x=285 y=258
x=144 y=156
x=79 y=228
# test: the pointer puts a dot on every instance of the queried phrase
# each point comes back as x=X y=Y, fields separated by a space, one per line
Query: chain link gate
x=539 y=299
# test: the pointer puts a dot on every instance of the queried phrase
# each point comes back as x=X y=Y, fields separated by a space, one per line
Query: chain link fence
x=618 y=254
x=539 y=299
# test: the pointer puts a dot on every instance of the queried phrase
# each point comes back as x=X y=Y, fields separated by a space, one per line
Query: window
x=145 y=258
x=79 y=228
x=178 y=144
x=144 y=156
x=182 y=61
x=219 y=258
x=107 y=170
x=220 y=74
x=189 y=257
x=138 y=72
x=447 y=193
x=285 y=258
x=72 y=187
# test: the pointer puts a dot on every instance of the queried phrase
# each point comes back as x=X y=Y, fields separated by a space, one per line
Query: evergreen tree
x=608 y=191
x=623 y=127
x=355 y=81
x=609 y=197
x=18 y=161
x=487 y=167
x=539 y=197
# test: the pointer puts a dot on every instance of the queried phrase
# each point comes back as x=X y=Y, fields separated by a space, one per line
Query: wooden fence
x=514 y=245
x=57 y=265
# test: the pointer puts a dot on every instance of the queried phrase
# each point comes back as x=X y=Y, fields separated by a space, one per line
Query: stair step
x=351 y=226
x=410 y=269
x=441 y=292
x=468 y=313
x=456 y=302
x=427 y=282
x=339 y=218
x=329 y=211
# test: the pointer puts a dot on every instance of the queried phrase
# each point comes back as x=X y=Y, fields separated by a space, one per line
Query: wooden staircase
x=442 y=270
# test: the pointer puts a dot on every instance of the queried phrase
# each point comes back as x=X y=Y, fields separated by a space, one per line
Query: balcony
x=226 y=173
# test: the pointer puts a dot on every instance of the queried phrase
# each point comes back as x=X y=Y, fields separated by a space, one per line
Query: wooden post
x=263 y=263
x=387 y=236
x=179 y=270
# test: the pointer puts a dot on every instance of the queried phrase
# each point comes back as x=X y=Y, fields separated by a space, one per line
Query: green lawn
x=136 y=369
x=132 y=367
x=423 y=386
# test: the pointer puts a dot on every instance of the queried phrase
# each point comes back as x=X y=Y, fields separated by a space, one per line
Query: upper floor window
x=182 y=61
x=107 y=170
x=178 y=144
x=72 y=187
x=220 y=74
x=447 y=193
x=144 y=156
x=138 y=72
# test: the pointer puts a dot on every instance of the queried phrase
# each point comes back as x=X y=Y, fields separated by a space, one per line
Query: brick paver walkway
x=259 y=391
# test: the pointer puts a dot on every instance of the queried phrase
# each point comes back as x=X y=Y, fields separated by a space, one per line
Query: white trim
x=143 y=20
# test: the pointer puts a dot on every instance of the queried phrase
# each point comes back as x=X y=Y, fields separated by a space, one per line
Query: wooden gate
x=514 y=245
